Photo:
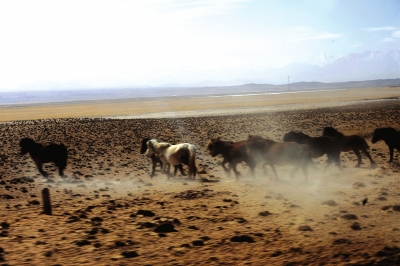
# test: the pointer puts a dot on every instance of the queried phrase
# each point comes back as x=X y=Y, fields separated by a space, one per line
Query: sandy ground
x=110 y=212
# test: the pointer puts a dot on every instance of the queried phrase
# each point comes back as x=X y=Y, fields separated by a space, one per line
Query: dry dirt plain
x=109 y=211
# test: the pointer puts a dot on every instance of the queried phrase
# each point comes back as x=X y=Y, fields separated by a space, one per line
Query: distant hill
x=36 y=97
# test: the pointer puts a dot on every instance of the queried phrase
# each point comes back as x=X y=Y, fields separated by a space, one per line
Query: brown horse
x=40 y=154
x=391 y=138
x=281 y=153
x=318 y=146
x=353 y=143
x=155 y=159
x=233 y=153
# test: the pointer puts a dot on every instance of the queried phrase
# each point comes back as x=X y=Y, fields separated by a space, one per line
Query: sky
x=154 y=42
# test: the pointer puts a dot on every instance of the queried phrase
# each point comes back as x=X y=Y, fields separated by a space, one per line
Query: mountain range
x=368 y=65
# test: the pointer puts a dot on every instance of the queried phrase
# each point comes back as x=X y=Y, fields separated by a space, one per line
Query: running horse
x=318 y=146
x=281 y=153
x=183 y=153
x=233 y=153
x=353 y=143
x=391 y=138
x=155 y=159
x=40 y=154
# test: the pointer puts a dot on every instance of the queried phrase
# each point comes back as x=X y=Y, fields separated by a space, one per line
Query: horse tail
x=192 y=161
x=364 y=143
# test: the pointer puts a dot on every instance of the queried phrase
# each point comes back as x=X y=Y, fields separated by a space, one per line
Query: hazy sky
x=156 y=41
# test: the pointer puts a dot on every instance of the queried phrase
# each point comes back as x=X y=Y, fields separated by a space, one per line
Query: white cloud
x=388 y=40
x=300 y=34
x=379 y=29
x=396 y=34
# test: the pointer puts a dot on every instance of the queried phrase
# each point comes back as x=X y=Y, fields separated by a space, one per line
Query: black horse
x=40 y=154
x=391 y=138
x=353 y=143
x=318 y=146
x=155 y=159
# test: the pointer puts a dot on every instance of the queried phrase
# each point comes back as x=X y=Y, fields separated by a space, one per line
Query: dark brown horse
x=353 y=143
x=318 y=146
x=391 y=138
x=40 y=154
x=281 y=153
x=233 y=153
x=155 y=159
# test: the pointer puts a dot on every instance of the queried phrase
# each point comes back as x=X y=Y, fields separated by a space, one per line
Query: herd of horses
x=297 y=149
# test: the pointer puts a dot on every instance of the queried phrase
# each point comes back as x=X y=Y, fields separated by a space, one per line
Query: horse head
x=332 y=132
x=382 y=133
x=143 y=148
x=27 y=145
x=213 y=146
x=150 y=147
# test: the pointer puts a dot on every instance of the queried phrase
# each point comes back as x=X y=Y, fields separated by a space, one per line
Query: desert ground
x=108 y=211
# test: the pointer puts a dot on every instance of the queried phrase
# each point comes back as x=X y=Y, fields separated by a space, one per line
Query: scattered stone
x=5 y=225
x=129 y=254
x=165 y=228
x=198 y=243
x=81 y=243
x=396 y=208
x=242 y=238
x=96 y=220
x=304 y=228
x=355 y=226
x=264 y=213
x=349 y=216
x=329 y=203
x=358 y=185
x=34 y=202
x=276 y=253
x=341 y=241
x=388 y=251
x=72 y=219
x=145 y=213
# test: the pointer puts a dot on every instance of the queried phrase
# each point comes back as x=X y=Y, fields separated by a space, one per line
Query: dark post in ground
x=46 y=201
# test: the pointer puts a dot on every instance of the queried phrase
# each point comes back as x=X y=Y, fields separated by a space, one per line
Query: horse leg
x=391 y=152
x=175 y=169
x=39 y=165
x=294 y=171
x=181 y=170
x=274 y=170
x=358 y=154
x=227 y=171
x=153 y=168
x=369 y=156
x=252 y=164
x=237 y=173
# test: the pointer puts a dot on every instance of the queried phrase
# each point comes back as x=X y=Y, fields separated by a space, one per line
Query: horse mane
x=163 y=145
x=143 y=147
x=300 y=134
x=256 y=138
x=333 y=131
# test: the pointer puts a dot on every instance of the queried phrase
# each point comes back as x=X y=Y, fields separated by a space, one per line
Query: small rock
x=165 y=228
x=242 y=238
x=198 y=243
x=349 y=216
x=355 y=226
x=304 y=228
x=129 y=254
x=264 y=213
x=329 y=203
x=145 y=213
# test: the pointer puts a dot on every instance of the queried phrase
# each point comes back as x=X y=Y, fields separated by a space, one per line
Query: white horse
x=174 y=154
